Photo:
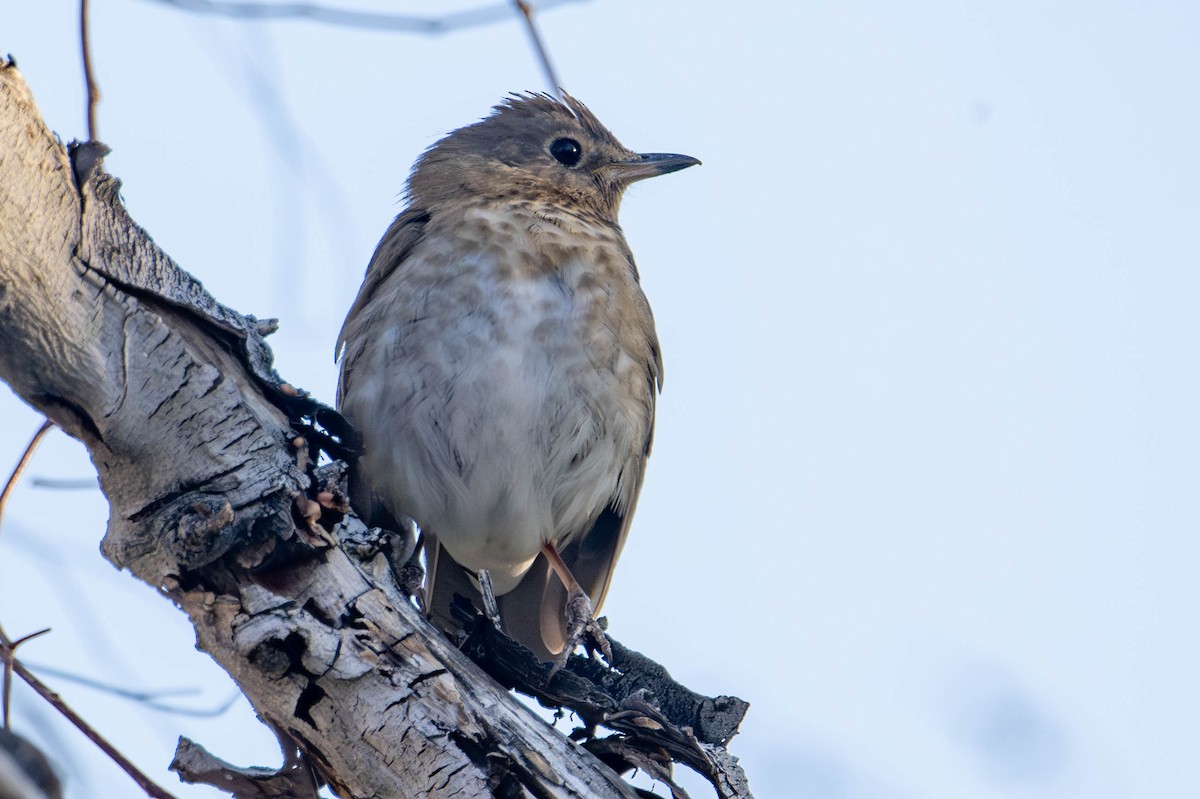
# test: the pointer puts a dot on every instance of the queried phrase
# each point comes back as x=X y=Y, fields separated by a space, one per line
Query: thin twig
x=15 y=477
x=6 y=687
x=369 y=20
x=149 y=786
x=6 y=695
x=65 y=483
x=89 y=78
x=543 y=56
x=146 y=699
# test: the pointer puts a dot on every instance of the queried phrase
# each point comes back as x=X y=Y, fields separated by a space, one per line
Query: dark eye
x=566 y=151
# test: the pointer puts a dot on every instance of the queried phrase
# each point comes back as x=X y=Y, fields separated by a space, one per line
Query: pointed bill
x=649 y=165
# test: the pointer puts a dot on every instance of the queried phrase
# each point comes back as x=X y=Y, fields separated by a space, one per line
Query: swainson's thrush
x=501 y=364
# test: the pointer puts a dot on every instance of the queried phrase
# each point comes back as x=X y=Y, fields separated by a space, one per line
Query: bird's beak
x=648 y=165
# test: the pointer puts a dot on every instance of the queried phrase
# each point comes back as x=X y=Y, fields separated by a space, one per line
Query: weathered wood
x=204 y=455
x=657 y=719
x=195 y=764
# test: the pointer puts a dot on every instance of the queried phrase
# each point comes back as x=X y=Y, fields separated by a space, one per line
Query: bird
x=501 y=365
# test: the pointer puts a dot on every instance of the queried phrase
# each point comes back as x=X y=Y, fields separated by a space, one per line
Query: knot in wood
x=200 y=535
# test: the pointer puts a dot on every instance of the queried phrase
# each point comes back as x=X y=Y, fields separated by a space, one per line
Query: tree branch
x=369 y=20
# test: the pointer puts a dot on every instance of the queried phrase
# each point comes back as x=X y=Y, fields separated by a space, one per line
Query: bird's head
x=535 y=148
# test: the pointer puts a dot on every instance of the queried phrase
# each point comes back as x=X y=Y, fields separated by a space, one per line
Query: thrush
x=501 y=365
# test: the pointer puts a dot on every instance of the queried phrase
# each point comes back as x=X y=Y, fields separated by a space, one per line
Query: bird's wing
x=533 y=612
x=591 y=557
x=395 y=246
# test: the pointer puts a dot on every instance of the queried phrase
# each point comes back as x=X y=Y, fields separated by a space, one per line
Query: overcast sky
x=925 y=477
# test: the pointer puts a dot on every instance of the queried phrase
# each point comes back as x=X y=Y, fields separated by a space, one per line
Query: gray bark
x=208 y=475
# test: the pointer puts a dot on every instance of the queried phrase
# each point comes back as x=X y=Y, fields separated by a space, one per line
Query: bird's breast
x=514 y=358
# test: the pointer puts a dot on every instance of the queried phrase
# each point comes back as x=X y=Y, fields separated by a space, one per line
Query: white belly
x=503 y=431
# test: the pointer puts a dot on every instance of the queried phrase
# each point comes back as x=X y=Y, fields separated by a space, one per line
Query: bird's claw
x=582 y=628
x=595 y=639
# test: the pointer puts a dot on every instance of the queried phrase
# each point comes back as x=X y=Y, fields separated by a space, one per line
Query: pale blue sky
x=924 y=487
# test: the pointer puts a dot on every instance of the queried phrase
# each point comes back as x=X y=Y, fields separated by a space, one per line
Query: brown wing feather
x=534 y=611
x=591 y=557
x=395 y=246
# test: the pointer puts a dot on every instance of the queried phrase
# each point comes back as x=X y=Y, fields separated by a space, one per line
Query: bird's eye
x=566 y=151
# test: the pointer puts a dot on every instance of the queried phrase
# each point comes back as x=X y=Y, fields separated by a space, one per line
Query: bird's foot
x=582 y=628
x=411 y=579
x=403 y=552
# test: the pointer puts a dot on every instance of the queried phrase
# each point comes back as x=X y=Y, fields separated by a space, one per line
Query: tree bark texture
x=206 y=458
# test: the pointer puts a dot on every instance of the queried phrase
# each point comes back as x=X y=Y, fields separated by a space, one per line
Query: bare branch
x=9 y=649
x=147 y=699
x=89 y=78
x=195 y=764
x=542 y=53
x=65 y=483
x=315 y=12
x=148 y=785
x=22 y=462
